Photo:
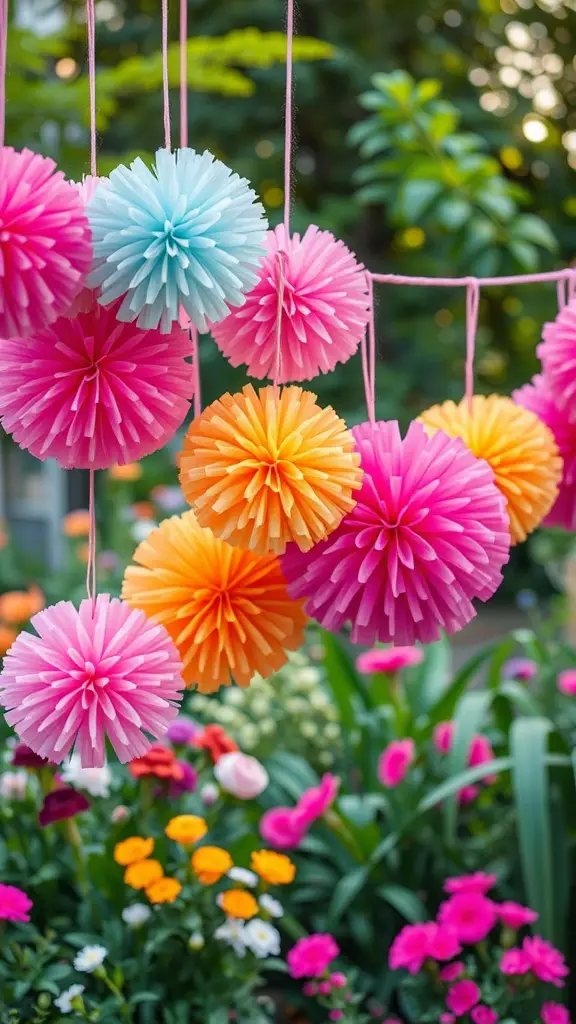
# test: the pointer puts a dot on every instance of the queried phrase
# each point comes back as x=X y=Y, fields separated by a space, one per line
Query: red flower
x=159 y=763
x=23 y=757
x=62 y=803
x=215 y=741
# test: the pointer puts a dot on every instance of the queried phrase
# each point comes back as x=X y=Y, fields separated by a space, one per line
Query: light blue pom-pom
x=188 y=233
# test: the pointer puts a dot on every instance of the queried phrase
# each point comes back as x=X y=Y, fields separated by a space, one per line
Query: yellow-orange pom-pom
x=228 y=611
x=264 y=468
x=518 y=446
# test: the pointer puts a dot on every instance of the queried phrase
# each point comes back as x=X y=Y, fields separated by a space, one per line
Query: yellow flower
x=274 y=868
x=186 y=829
x=165 y=890
x=238 y=903
x=76 y=523
x=143 y=873
x=133 y=849
x=209 y=863
x=130 y=472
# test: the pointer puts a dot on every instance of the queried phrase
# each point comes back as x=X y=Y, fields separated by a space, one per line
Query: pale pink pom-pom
x=538 y=397
x=92 y=392
x=86 y=190
x=45 y=243
x=102 y=670
x=429 y=533
x=324 y=311
x=557 y=352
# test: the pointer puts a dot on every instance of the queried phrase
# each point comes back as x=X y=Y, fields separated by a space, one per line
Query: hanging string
x=572 y=286
x=91 y=563
x=561 y=293
x=183 y=73
x=281 y=259
x=196 y=370
x=288 y=115
x=3 y=51
x=91 y=31
x=165 y=89
x=472 y=307
x=368 y=352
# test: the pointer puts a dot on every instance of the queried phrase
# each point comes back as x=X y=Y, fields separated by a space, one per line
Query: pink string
x=567 y=274
x=288 y=115
x=91 y=30
x=196 y=370
x=165 y=88
x=561 y=293
x=281 y=258
x=368 y=352
x=91 y=565
x=572 y=286
x=472 y=307
x=3 y=51
x=183 y=73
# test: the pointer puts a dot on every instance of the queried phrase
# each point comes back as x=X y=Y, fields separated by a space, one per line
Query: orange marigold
x=76 y=523
x=159 y=762
x=209 y=863
x=143 y=873
x=215 y=741
x=165 y=890
x=7 y=638
x=238 y=903
x=143 y=510
x=132 y=849
x=274 y=868
x=17 y=606
x=130 y=471
x=186 y=829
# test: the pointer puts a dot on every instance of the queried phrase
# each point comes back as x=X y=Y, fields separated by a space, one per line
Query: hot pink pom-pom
x=429 y=533
x=91 y=391
x=557 y=353
x=45 y=243
x=324 y=311
x=539 y=397
x=102 y=670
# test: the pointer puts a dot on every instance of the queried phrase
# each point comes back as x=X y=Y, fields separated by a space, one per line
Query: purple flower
x=188 y=781
x=23 y=757
x=62 y=803
x=520 y=668
x=182 y=730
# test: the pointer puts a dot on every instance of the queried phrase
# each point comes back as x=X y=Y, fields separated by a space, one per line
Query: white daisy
x=64 y=1001
x=271 y=906
x=262 y=938
x=232 y=933
x=95 y=781
x=136 y=914
x=243 y=876
x=90 y=958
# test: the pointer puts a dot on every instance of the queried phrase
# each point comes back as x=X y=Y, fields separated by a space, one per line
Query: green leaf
x=497 y=661
x=530 y=228
x=144 y=997
x=342 y=679
x=525 y=254
x=468 y=720
x=416 y=197
x=346 y=892
x=443 y=709
x=428 y=89
x=406 y=902
x=452 y=213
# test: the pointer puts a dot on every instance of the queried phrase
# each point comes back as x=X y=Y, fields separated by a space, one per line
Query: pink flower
x=554 y=1013
x=241 y=775
x=417 y=942
x=335 y=1014
x=471 y=915
x=452 y=971
x=279 y=827
x=324 y=988
x=462 y=997
x=338 y=980
x=483 y=1015
x=514 y=961
x=310 y=988
x=14 y=904
x=443 y=942
x=513 y=915
x=520 y=668
x=314 y=803
x=567 y=682
x=395 y=761
x=443 y=736
x=120 y=813
x=546 y=962
x=467 y=795
x=447 y=1018
x=182 y=730
x=311 y=956
x=478 y=882
x=388 y=659
x=480 y=751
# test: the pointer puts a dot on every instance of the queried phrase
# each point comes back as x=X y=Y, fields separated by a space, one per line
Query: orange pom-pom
x=518 y=446
x=228 y=611
x=262 y=469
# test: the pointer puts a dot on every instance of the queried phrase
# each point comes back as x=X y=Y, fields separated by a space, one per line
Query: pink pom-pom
x=45 y=243
x=538 y=397
x=324 y=311
x=557 y=353
x=86 y=190
x=102 y=670
x=429 y=533
x=91 y=392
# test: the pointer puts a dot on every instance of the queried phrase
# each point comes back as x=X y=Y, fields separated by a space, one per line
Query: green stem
x=72 y=834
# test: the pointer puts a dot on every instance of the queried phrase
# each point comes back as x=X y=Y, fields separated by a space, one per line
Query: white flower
x=142 y=529
x=262 y=938
x=196 y=941
x=332 y=731
x=136 y=914
x=64 y=1001
x=267 y=726
x=308 y=676
x=309 y=730
x=260 y=706
x=232 y=933
x=241 y=775
x=95 y=781
x=236 y=697
x=13 y=784
x=248 y=736
x=271 y=906
x=319 y=699
x=209 y=794
x=325 y=758
x=90 y=958
x=243 y=876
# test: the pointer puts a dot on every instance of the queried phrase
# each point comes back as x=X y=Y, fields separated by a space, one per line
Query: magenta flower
x=182 y=730
x=14 y=904
x=483 y=1015
x=338 y=980
x=311 y=956
x=23 y=757
x=467 y=795
x=443 y=736
x=514 y=961
x=279 y=827
x=478 y=882
x=471 y=915
x=523 y=669
x=416 y=943
x=314 y=803
x=567 y=682
x=447 y=1018
x=187 y=782
x=62 y=803
x=451 y=972
x=546 y=962
x=554 y=1013
x=395 y=761
x=513 y=915
x=462 y=997
x=388 y=659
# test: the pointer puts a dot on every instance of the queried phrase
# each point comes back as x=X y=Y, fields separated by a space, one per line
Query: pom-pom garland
x=92 y=392
x=539 y=398
x=227 y=610
x=262 y=469
x=429 y=533
x=325 y=309
x=45 y=249
x=557 y=353
x=102 y=670
x=518 y=446
x=186 y=234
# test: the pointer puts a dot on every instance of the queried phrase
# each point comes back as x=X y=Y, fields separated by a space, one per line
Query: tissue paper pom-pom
x=86 y=190
x=262 y=469
x=428 y=535
x=186 y=234
x=539 y=398
x=519 y=448
x=45 y=249
x=92 y=392
x=557 y=353
x=228 y=611
x=324 y=312
x=101 y=670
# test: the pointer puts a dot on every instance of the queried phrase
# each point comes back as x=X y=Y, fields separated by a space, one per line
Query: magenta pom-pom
x=429 y=533
x=91 y=391
x=45 y=243
x=324 y=313
x=540 y=399
x=557 y=353
x=104 y=670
